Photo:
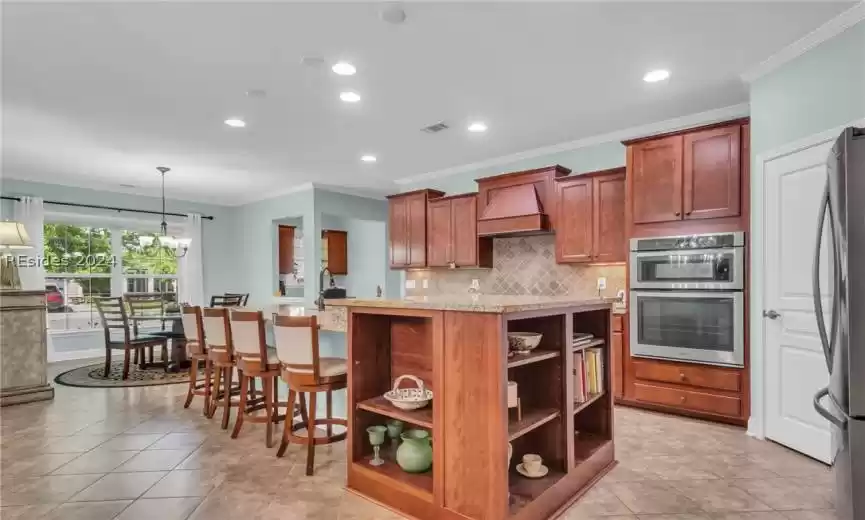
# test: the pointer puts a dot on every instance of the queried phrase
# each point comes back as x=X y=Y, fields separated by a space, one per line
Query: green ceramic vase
x=414 y=455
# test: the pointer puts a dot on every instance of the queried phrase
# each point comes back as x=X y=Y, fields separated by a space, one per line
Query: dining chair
x=305 y=371
x=225 y=300
x=113 y=315
x=142 y=305
x=196 y=351
x=244 y=297
x=220 y=352
x=255 y=359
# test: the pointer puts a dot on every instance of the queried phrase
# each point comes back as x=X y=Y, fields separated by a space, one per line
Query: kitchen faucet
x=320 y=301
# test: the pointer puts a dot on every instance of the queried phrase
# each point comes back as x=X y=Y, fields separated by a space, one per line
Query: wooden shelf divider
x=579 y=407
x=531 y=420
x=420 y=483
x=593 y=343
x=532 y=357
x=381 y=406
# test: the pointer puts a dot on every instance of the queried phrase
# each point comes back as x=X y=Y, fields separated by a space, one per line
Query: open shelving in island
x=460 y=351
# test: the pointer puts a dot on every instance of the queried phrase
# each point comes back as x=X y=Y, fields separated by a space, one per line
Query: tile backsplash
x=522 y=265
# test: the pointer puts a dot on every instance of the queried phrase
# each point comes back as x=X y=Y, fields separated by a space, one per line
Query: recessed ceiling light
x=478 y=127
x=654 y=76
x=368 y=158
x=235 y=123
x=349 y=97
x=343 y=68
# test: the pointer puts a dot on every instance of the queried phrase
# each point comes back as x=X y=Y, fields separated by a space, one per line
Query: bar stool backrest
x=297 y=344
x=217 y=329
x=248 y=335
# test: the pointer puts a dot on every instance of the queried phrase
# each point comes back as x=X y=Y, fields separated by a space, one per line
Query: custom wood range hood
x=518 y=203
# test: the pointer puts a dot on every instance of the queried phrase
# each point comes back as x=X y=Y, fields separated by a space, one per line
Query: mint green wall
x=580 y=160
x=819 y=90
x=219 y=255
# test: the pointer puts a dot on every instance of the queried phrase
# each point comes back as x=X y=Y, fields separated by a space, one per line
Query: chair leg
x=125 y=364
x=208 y=374
x=214 y=397
x=193 y=378
x=226 y=405
x=329 y=402
x=310 y=436
x=107 y=363
x=252 y=389
x=286 y=426
x=165 y=359
x=150 y=349
x=135 y=360
x=303 y=416
x=268 y=382
x=142 y=359
x=241 y=409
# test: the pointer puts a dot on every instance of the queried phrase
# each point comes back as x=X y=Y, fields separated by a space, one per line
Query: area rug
x=90 y=376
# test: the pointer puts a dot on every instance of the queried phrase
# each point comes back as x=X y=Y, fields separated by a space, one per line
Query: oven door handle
x=682 y=252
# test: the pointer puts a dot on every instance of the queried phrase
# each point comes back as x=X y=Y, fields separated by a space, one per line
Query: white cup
x=532 y=463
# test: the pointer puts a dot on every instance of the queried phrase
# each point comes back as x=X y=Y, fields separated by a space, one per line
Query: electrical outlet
x=602 y=283
x=476 y=284
x=409 y=284
x=425 y=283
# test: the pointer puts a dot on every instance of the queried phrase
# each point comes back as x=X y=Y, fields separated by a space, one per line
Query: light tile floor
x=133 y=454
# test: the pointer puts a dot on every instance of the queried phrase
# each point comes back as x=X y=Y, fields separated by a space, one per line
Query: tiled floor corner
x=136 y=453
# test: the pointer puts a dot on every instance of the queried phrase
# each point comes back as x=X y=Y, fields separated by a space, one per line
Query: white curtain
x=191 y=265
x=29 y=211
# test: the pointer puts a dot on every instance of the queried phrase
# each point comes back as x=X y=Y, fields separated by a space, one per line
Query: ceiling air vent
x=433 y=129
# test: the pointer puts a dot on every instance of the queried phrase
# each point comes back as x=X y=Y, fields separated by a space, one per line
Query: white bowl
x=524 y=342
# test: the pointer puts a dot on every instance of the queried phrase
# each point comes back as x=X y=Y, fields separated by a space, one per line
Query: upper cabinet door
x=398 y=232
x=712 y=173
x=574 y=231
x=439 y=225
x=285 y=241
x=609 y=219
x=416 y=209
x=657 y=180
x=464 y=219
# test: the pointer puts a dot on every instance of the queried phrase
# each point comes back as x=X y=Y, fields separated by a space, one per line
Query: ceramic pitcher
x=414 y=455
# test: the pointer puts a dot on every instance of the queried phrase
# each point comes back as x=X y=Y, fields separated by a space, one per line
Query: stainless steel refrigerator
x=842 y=403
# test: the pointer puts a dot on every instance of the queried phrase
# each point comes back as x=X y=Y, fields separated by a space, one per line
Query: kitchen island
x=458 y=347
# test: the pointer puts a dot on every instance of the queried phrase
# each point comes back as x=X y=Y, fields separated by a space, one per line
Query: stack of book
x=581 y=338
x=588 y=374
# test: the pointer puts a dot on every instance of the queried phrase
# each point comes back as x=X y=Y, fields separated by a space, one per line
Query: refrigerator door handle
x=841 y=424
x=818 y=300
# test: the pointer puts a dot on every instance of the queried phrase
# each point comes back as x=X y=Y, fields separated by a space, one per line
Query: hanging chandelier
x=179 y=246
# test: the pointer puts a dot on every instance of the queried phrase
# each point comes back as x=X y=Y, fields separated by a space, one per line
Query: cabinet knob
x=688 y=212
x=678 y=213
x=684 y=398
x=682 y=376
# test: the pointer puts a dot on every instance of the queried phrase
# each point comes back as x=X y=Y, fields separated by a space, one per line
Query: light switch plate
x=425 y=283
x=476 y=284
x=602 y=283
x=409 y=284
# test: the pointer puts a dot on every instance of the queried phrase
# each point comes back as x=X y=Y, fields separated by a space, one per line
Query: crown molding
x=825 y=32
x=270 y=194
x=669 y=125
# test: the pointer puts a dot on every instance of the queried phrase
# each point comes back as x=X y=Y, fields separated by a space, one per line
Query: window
x=78 y=265
x=84 y=263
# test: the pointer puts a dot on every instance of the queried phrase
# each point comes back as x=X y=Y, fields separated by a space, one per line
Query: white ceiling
x=98 y=94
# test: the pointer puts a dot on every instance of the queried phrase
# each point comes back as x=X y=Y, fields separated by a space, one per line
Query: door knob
x=771 y=314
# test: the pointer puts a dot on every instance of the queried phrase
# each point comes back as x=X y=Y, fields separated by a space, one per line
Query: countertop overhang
x=478 y=303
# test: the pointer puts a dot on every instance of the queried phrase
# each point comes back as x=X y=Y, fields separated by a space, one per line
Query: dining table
x=177 y=359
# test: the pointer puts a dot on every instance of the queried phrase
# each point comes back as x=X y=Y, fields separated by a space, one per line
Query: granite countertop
x=477 y=302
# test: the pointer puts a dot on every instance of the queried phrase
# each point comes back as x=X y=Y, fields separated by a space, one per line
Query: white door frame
x=757 y=421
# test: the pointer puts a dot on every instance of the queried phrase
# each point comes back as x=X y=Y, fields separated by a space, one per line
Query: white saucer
x=522 y=471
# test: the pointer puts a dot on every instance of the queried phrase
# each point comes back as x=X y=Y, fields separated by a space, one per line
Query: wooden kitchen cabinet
x=452 y=234
x=712 y=173
x=591 y=215
x=334 y=251
x=285 y=243
x=617 y=356
x=407 y=228
x=656 y=177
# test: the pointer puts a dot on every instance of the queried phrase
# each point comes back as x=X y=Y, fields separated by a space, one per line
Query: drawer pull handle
x=684 y=398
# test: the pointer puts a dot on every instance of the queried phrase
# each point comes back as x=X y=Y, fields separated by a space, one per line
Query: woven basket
x=409 y=398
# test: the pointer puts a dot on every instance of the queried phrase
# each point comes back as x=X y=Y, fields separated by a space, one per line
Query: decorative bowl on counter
x=409 y=398
x=524 y=342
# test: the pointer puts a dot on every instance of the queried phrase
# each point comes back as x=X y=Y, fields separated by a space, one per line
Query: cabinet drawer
x=702 y=376
x=618 y=321
x=687 y=399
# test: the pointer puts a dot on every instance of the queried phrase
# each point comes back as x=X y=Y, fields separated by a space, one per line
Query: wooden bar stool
x=254 y=359
x=196 y=351
x=220 y=352
x=305 y=372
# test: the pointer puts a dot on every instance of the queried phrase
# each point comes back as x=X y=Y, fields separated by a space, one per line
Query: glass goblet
x=376 y=438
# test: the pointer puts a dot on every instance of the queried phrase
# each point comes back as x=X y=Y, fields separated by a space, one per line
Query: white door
x=795 y=366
